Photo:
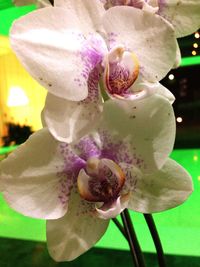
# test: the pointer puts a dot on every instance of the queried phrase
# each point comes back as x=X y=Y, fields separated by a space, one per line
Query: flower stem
x=132 y=240
x=154 y=233
x=120 y=227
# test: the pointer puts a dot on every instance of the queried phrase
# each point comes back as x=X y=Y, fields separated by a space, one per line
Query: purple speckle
x=91 y=54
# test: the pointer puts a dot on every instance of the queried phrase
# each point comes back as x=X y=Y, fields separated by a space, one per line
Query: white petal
x=151 y=6
x=161 y=190
x=75 y=233
x=30 y=177
x=59 y=47
x=114 y=209
x=178 y=57
x=90 y=8
x=69 y=120
x=142 y=90
x=158 y=88
x=146 y=127
x=184 y=15
x=147 y=35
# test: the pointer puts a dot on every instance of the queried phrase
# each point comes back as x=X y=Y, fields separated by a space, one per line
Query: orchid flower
x=183 y=15
x=39 y=3
x=74 y=46
x=79 y=187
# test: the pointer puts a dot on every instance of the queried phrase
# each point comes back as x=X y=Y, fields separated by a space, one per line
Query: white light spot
x=179 y=119
x=194 y=53
x=196 y=35
x=171 y=77
x=195 y=45
x=17 y=97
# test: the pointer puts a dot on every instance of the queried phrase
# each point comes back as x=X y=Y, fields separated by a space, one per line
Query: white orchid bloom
x=68 y=48
x=182 y=14
x=39 y=3
x=79 y=187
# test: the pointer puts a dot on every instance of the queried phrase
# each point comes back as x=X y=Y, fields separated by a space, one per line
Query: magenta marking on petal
x=118 y=151
x=111 y=39
x=87 y=148
x=162 y=5
x=93 y=87
x=68 y=173
x=85 y=207
x=133 y=3
x=91 y=54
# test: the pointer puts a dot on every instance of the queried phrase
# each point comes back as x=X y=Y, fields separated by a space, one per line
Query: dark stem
x=154 y=233
x=120 y=227
x=132 y=240
x=52 y=2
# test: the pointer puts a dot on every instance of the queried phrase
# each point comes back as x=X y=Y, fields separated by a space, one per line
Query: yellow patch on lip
x=137 y=66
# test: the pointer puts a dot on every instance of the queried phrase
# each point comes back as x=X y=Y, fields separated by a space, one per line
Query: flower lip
x=102 y=180
x=121 y=71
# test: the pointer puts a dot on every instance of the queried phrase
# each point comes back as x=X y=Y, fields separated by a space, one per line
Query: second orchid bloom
x=74 y=46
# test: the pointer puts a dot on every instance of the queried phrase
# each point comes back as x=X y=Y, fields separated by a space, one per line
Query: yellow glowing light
x=196 y=35
x=17 y=97
x=194 y=53
x=171 y=77
x=198 y=177
x=195 y=158
x=195 y=45
x=179 y=119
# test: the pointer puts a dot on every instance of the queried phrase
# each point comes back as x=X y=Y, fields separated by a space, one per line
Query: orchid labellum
x=79 y=187
x=75 y=46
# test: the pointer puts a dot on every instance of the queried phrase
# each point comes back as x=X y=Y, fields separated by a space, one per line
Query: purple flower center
x=101 y=181
x=121 y=71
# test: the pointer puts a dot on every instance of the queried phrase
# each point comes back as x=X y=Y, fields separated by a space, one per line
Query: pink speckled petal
x=69 y=120
x=147 y=35
x=183 y=14
x=145 y=131
x=164 y=189
x=31 y=181
x=75 y=233
x=60 y=46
